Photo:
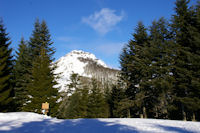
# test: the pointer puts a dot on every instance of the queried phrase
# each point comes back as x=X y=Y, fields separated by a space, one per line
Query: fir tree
x=194 y=92
x=161 y=70
x=6 y=72
x=182 y=23
x=74 y=83
x=97 y=106
x=42 y=87
x=75 y=102
x=84 y=97
x=192 y=100
x=71 y=111
x=134 y=64
x=116 y=96
x=161 y=57
x=22 y=74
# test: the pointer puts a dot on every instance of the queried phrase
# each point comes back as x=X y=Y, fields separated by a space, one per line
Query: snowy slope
x=71 y=62
x=24 y=122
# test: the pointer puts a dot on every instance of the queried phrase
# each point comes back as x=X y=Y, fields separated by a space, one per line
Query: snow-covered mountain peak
x=75 y=62
x=81 y=53
x=77 y=54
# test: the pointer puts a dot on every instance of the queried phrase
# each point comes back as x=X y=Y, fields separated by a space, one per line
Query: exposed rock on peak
x=84 y=64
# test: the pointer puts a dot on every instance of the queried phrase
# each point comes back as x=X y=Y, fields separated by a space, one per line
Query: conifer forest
x=159 y=74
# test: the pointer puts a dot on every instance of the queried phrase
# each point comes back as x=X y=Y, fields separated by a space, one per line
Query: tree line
x=28 y=80
x=161 y=67
x=159 y=77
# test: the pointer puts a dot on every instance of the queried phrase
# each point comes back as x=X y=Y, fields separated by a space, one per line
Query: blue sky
x=101 y=27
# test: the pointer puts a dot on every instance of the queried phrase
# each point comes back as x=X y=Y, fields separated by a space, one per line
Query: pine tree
x=77 y=104
x=6 y=72
x=194 y=92
x=192 y=101
x=42 y=87
x=22 y=74
x=74 y=83
x=161 y=70
x=97 y=106
x=84 y=97
x=161 y=57
x=71 y=110
x=116 y=96
x=35 y=42
x=134 y=64
x=182 y=26
x=74 y=105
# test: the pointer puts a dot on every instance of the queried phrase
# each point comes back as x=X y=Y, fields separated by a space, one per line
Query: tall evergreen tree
x=182 y=26
x=74 y=83
x=161 y=70
x=97 y=106
x=194 y=92
x=42 y=87
x=6 y=71
x=192 y=101
x=161 y=57
x=134 y=64
x=116 y=96
x=22 y=74
x=74 y=104
x=77 y=103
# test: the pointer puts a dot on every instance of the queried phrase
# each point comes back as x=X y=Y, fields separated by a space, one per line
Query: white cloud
x=104 y=20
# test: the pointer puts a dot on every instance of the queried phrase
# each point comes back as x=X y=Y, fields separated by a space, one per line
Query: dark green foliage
x=116 y=96
x=159 y=78
x=77 y=107
x=75 y=82
x=41 y=38
x=97 y=106
x=161 y=68
x=85 y=100
x=74 y=104
x=161 y=57
x=134 y=64
x=42 y=86
x=6 y=72
x=186 y=66
x=180 y=71
x=73 y=107
x=22 y=72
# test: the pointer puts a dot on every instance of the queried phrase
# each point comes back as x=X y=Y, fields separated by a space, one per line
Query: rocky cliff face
x=84 y=64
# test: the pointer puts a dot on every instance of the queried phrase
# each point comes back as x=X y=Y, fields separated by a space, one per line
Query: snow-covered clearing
x=24 y=122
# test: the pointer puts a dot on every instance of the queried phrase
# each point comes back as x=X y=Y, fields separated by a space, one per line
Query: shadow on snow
x=71 y=126
x=80 y=126
x=174 y=129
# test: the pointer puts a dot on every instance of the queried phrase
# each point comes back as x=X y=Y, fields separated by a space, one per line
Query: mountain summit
x=84 y=64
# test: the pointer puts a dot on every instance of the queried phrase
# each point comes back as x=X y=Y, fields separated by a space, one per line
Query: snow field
x=27 y=122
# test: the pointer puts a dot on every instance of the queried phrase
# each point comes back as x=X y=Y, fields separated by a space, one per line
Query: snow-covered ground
x=23 y=122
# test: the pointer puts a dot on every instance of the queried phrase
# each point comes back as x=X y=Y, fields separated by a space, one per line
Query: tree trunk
x=166 y=117
x=144 y=113
x=184 y=114
x=165 y=109
x=141 y=115
x=193 y=117
x=128 y=113
x=156 y=116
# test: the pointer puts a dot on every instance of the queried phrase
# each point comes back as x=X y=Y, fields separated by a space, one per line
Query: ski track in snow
x=26 y=122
